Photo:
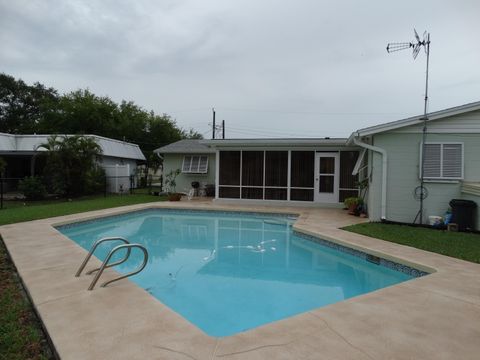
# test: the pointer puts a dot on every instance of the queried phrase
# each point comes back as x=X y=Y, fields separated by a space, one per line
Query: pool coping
x=62 y=300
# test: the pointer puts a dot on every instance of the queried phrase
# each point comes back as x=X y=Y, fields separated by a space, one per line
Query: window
x=443 y=161
x=195 y=164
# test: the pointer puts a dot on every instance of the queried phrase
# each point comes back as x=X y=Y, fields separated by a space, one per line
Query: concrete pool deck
x=433 y=317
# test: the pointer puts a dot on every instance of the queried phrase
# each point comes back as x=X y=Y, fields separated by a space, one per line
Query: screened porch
x=287 y=175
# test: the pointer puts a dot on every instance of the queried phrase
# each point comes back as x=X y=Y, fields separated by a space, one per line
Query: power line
x=308 y=112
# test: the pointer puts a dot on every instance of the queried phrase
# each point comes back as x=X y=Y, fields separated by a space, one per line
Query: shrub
x=94 y=181
x=69 y=161
x=353 y=201
x=171 y=181
x=3 y=165
x=32 y=188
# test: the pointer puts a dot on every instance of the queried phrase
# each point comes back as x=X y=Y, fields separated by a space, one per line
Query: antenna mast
x=420 y=192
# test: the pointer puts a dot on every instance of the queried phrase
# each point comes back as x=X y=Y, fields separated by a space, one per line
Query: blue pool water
x=230 y=272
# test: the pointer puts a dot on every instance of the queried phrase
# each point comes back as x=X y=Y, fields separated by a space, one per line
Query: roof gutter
x=383 y=152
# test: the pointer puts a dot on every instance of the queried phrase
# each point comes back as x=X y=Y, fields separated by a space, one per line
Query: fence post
x=105 y=187
x=1 y=193
x=131 y=184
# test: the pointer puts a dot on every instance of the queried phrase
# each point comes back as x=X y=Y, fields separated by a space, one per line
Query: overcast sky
x=270 y=68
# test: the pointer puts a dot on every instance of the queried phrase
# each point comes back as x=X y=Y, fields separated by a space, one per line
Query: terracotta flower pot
x=352 y=209
x=174 y=197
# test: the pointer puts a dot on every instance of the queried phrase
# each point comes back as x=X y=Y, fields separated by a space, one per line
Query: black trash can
x=210 y=190
x=463 y=214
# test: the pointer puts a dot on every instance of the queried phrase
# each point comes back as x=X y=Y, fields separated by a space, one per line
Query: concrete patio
x=433 y=317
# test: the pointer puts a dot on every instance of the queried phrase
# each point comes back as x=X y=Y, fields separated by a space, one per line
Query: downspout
x=383 y=152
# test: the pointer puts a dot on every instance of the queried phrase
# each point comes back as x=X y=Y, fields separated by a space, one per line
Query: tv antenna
x=420 y=192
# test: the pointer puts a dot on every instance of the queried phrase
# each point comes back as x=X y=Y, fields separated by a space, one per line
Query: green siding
x=403 y=151
x=175 y=161
x=375 y=186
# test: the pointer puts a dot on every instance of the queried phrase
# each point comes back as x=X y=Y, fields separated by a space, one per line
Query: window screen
x=229 y=168
x=252 y=168
x=276 y=168
x=303 y=168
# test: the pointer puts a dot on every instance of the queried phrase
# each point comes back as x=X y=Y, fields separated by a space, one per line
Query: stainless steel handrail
x=94 y=247
x=105 y=264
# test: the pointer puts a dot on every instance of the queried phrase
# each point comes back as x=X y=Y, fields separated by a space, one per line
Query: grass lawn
x=18 y=211
x=464 y=246
x=21 y=336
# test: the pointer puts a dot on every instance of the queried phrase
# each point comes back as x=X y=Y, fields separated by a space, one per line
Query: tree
x=81 y=112
x=71 y=167
x=36 y=109
x=22 y=107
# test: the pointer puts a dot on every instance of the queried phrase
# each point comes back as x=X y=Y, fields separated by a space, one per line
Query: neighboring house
x=324 y=171
x=118 y=158
x=195 y=160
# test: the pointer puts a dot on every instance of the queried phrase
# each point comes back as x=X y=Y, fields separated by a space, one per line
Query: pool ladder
x=99 y=271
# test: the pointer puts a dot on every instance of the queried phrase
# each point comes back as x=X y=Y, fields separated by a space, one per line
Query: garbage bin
x=463 y=214
x=210 y=190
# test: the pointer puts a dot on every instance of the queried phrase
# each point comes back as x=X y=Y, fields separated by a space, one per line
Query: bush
x=32 y=188
x=353 y=201
x=3 y=165
x=94 y=181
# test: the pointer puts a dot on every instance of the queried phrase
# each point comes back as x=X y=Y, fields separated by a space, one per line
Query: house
x=118 y=158
x=385 y=158
x=451 y=165
x=195 y=160
x=304 y=171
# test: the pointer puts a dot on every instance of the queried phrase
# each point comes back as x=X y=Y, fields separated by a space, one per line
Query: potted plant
x=171 y=184
x=352 y=204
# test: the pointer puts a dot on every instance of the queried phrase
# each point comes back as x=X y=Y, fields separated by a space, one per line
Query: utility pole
x=213 y=126
x=223 y=129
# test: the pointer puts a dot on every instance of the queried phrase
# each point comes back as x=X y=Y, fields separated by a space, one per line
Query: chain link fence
x=11 y=192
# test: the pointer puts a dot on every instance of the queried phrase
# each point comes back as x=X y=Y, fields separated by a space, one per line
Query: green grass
x=21 y=336
x=18 y=211
x=464 y=246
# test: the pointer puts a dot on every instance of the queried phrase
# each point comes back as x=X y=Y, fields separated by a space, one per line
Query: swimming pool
x=227 y=272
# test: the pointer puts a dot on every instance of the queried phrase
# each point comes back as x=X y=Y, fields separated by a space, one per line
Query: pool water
x=230 y=272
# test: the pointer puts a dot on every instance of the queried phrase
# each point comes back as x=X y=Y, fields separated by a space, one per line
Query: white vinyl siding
x=443 y=161
x=195 y=164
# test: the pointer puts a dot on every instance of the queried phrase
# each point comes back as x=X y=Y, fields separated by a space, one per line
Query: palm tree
x=70 y=160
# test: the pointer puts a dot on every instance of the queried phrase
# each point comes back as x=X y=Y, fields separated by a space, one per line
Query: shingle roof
x=265 y=142
x=186 y=146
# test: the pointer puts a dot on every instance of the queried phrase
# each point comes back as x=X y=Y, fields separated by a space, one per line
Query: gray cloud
x=311 y=68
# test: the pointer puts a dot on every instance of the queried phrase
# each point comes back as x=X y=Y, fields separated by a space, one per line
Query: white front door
x=327 y=166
